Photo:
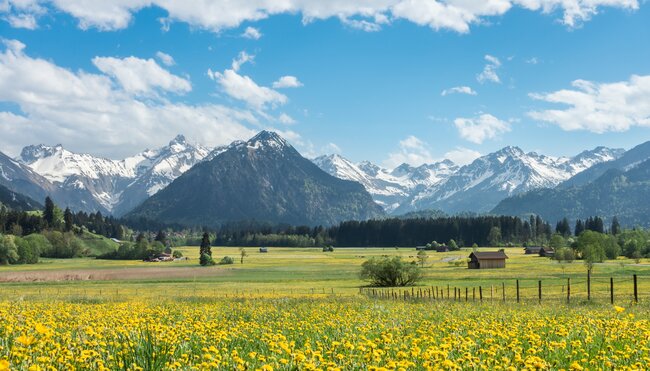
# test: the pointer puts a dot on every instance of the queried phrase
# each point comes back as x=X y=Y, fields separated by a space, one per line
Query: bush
x=388 y=272
x=28 y=253
x=328 y=249
x=8 y=250
x=63 y=245
x=206 y=260
x=177 y=254
x=226 y=260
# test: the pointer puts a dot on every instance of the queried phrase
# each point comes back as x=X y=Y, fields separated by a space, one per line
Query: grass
x=309 y=270
x=300 y=308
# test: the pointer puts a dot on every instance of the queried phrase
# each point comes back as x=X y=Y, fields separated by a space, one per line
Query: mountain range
x=263 y=179
x=476 y=187
x=618 y=188
x=112 y=186
x=252 y=177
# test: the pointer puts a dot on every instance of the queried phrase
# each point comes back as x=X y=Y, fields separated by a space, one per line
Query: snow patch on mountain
x=110 y=180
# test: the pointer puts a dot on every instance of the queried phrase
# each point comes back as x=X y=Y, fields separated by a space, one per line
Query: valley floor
x=302 y=309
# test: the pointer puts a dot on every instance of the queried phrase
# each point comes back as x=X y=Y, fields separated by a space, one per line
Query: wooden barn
x=532 y=250
x=264 y=249
x=442 y=248
x=547 y=252
x=487 y=260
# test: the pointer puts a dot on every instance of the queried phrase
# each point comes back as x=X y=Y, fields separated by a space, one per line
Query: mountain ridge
x=263 y=179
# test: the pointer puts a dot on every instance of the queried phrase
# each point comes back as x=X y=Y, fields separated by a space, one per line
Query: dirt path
x=110 y=274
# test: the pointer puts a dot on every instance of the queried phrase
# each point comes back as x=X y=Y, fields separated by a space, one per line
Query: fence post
x=466 y=293
x=447 y=291
x=517 y=291
x=473 y=293
x=589 y=284
x=568 y=290
x=503 y=291
x=539 y=285
x=611 y=290
x=636 y=292
x=480 y=293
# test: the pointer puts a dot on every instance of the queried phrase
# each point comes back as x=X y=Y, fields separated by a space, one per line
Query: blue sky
x=387 y=81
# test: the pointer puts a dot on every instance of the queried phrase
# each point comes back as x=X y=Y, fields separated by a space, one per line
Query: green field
x=297 y=271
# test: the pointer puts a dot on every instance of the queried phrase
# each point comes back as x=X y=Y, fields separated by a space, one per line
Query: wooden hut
x=442 y=248
x=487 y=260
x=547 y=252
x=264 y=249
x=532 y=250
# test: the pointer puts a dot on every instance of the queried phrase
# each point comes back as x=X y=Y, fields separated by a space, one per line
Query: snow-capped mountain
x=476 y=187
x=388 y=188
x=116 y=185
x=263 y=179
x=480 y=185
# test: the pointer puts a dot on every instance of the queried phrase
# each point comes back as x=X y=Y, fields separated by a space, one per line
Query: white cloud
x=141 y=76
x=87 y=112
x=242 y=59
x=462 y=156
x=533 y=60
x=245 y=89
x=287 y=82
x=331 y=148
x=412 y=151
x=27 y=21
x=286 y=119
x=599 y=107
x=478 y=129
x=455 y=15
x=165 y=58
x=489 y=73
x=252 y=33
x=458 y=90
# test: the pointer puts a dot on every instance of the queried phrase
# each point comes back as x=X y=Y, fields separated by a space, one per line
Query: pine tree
x=580 y=227
x=616 y=226
x=161 y=237
x=599 y=225
x=205 y=252
x=68 y=219
x=48 y=213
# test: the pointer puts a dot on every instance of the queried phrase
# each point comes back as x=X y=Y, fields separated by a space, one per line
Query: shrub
x=177 y=254
x=329 y=248
x=8 y=250
x=206 y=260
x=226 y=260
x=388 y=272
x=63 y=245
x=28 y=253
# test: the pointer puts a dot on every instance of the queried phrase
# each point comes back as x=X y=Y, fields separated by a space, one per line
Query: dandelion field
x=301 y=310
x=318 y=333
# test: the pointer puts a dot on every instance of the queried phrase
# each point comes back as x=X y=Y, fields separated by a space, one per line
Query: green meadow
x=301 y=271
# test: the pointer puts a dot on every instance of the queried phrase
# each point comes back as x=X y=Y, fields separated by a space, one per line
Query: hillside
x=618 y=193
x=16 y=201
x=263 y=179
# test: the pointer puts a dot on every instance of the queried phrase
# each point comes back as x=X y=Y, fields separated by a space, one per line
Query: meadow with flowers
x=274 y=313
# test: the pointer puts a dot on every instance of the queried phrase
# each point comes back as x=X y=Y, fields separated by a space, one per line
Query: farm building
x=547 y=252
x=532 y=250
x=420 y=248
x=264 y=249
x=487 y=260
x=442 y=248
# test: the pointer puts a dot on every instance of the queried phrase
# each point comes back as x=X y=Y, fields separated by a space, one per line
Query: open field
x=300 y=309
x=309 y=270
